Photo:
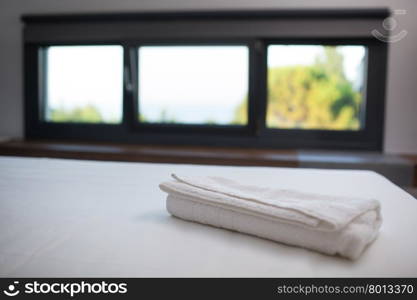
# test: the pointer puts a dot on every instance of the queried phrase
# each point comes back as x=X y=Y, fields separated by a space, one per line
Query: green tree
x=85 y=114
x=241 y=113
x=316 y=96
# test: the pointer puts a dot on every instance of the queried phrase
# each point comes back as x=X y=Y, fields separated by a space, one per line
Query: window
x=84 y=84
x=283 y=79
x=193 y=84
x=316 y=87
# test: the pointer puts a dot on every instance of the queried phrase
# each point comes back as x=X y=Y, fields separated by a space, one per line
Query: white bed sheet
x=85 y=218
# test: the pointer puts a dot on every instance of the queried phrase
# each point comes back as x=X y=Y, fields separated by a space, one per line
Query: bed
x=70 y=218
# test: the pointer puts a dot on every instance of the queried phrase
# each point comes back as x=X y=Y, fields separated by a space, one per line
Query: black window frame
x=145 y=127
x=372 y=109
x=255 y=133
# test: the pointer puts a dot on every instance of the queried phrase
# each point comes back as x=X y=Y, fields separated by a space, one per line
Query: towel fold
x=325 y=223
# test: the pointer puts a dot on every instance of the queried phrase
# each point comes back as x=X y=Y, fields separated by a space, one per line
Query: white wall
x=401 y=109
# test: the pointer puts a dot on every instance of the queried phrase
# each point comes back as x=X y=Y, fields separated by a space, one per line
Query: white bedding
x=83 y=218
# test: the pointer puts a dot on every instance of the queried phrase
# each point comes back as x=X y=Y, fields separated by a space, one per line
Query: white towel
x=325 y=223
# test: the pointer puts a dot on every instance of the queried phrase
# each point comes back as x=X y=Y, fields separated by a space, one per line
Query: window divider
x=130 y=86
x=258 y=85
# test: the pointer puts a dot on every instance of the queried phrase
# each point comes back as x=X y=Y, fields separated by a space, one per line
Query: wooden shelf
x=381 y=163
x=151 y=153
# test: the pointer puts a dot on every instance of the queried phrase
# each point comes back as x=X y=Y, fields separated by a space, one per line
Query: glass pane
x=84 y=84
x=193 y=84
x=316 y=87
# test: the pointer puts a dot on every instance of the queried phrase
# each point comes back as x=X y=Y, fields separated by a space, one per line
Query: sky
x=193 y=84
x=287 y=55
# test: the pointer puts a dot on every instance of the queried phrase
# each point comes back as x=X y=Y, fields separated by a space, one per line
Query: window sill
x=150 y=153
x=401 y=169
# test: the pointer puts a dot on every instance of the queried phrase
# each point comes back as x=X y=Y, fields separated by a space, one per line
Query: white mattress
x=83 y=218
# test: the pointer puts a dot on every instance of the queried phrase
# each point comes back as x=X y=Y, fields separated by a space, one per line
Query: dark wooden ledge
x=401 y=169
x=413 y=159
x=150 y=153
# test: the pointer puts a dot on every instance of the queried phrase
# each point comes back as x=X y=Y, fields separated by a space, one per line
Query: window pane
x=193 y=84
x=316 y=87
x=84 y=84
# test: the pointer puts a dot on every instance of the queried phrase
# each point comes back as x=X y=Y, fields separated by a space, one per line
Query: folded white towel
x=328 y=224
